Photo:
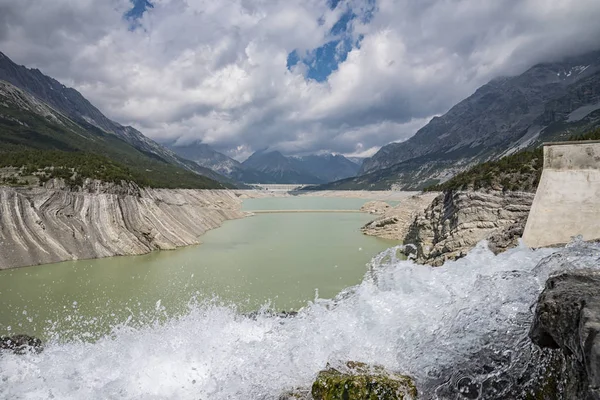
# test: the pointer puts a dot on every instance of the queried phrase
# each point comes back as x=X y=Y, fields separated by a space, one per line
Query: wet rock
x=567 y=317
x=507 y=237
x=527 y=373
x=358 y=381
x=20 y=344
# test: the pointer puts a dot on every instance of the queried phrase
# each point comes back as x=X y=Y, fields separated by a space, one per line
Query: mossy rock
x=360 y=381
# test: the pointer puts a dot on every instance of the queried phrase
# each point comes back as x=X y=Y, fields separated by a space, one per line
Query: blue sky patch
x=341 y=26
x=368 y=11
x=292 y=59
x=138 y=9
x=333 y=3
x=322 y=61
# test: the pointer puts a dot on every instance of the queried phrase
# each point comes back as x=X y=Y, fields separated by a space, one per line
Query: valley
x=300 y=201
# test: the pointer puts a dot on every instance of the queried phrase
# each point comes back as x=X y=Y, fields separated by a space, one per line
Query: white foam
x=409 y=318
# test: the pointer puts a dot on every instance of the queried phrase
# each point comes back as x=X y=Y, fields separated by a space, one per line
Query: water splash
x=409 y=318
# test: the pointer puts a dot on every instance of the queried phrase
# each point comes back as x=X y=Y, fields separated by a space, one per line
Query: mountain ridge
x=503 y=116
x=264 y=167
x=38 y=112
x=279 y=167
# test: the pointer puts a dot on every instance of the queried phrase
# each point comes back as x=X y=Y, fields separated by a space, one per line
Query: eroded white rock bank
x=456 y=221
x=52 y=224
x=446 y=226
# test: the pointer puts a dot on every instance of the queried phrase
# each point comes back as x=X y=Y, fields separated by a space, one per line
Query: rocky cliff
x=456 y=221
x=51 y=224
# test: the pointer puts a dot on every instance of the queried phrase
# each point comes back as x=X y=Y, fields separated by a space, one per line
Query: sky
x=299 y=76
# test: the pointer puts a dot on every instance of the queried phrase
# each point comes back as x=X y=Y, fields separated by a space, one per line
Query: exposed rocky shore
x=456 y=221
x=395 y=221
x=447 y=225
x=53 y=224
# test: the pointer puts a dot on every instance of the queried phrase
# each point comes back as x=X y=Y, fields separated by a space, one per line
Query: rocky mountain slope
x=327 y=167
x=549 y=101
x=279 y=168
x=27 y=123
x=270 y=166
x=50 y=224
x=205 y=156
x=520 y=171
x=37 y=111
x=317 y=168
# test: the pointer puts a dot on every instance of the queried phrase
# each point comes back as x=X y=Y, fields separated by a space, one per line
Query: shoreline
x=40 y=226
x=46 y=226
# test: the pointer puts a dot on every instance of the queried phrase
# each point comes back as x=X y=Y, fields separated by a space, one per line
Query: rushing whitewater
x=412 y=319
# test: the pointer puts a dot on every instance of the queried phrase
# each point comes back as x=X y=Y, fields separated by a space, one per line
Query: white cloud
x=216 y=70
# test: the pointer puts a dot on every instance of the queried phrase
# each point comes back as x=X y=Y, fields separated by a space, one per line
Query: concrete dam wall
x=567 y=201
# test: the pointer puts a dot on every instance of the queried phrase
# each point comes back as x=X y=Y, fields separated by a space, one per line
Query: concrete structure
x=303 y=211
x=278 y=187
x=567 y=201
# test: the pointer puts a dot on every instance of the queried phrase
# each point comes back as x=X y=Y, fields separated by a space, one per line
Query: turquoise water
x=278 y=260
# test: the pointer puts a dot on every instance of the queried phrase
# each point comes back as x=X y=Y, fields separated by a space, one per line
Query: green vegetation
x=25 y=135
x=593 y=135
x=73 y=167
x=519 y=171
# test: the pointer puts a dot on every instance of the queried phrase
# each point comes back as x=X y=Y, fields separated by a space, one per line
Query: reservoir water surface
x=279 y=261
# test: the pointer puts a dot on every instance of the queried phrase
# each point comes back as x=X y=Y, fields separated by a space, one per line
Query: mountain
x=205 y=156
x=326 y=167
x=269 y=167
x=357 y=160
x=53 y=116
x=279 y=168
x=550 y=101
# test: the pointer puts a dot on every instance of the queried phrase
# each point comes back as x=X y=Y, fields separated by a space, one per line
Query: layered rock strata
x=456 y=221
x=48 y=225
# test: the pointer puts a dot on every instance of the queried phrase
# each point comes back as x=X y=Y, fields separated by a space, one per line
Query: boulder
x=358 y=381
x=567 y=317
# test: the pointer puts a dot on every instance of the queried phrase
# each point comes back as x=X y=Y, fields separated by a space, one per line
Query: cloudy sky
x=300 y=76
